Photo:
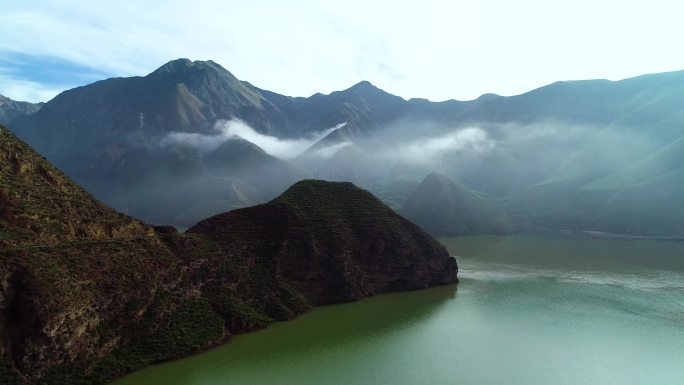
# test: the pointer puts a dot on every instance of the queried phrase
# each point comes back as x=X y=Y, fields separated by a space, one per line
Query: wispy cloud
x=470 y=141
x=328 y=151
x=226 y=130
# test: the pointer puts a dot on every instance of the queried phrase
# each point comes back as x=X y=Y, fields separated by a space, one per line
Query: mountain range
x=581 y=155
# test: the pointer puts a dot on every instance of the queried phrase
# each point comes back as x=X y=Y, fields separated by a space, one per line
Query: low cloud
x=467 y=141
x=329 y=151
x=423 y=144
x=228 y=129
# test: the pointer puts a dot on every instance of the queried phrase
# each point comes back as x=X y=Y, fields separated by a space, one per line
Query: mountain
x=186 y=96
x=581 y=155
x=445 y=209
x=181 y=184
x=88 y=294
x=112 y=137
x=615 y=139
x=571 y=155
x=10 y=109
x=74 y=274
x=241 y=159
x=336 y=237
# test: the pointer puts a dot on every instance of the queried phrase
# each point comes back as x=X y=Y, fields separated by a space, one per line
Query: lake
x=540 y=309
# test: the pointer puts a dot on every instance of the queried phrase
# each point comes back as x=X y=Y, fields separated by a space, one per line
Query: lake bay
x=530 y=309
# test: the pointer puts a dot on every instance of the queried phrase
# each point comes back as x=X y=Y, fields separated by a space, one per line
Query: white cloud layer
x=436 y=49
x=469 y=141
x=282 y=148
x=328 y=151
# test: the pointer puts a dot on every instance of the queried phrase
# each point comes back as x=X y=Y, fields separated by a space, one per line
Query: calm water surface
x=530 y=310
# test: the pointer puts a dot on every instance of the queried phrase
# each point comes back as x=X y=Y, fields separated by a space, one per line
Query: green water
x=530 y=310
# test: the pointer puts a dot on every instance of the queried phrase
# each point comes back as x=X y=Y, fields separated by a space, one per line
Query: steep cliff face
x=88 y=294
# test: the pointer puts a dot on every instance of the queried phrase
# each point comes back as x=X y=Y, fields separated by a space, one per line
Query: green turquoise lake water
x=530 y=310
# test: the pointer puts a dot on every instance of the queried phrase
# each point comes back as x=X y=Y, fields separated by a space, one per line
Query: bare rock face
x=88 y=294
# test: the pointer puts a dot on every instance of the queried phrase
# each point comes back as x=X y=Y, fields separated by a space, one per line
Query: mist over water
x=604 y=318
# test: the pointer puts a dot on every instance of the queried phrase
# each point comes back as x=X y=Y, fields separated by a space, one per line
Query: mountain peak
x=488 y=96
x=183 y=65
x=237 y=145
x=364 y=85
x=438 y=176
x=178 y=65
x=367 y=89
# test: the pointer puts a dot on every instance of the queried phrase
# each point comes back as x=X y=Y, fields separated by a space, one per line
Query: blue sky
x=432 y=49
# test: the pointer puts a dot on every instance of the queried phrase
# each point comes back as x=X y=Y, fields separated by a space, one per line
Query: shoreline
x=226 y=339
x=633 y=237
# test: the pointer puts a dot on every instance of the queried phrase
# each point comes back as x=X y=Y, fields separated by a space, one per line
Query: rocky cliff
x=87 y=294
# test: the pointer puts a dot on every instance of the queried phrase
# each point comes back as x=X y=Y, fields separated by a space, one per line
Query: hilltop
x=337 y=242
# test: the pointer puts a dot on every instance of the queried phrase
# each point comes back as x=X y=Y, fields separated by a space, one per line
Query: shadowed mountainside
x=88 y=294
x=332 y=228
x=444 y=209
x=41 y=206
x=98 y=137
